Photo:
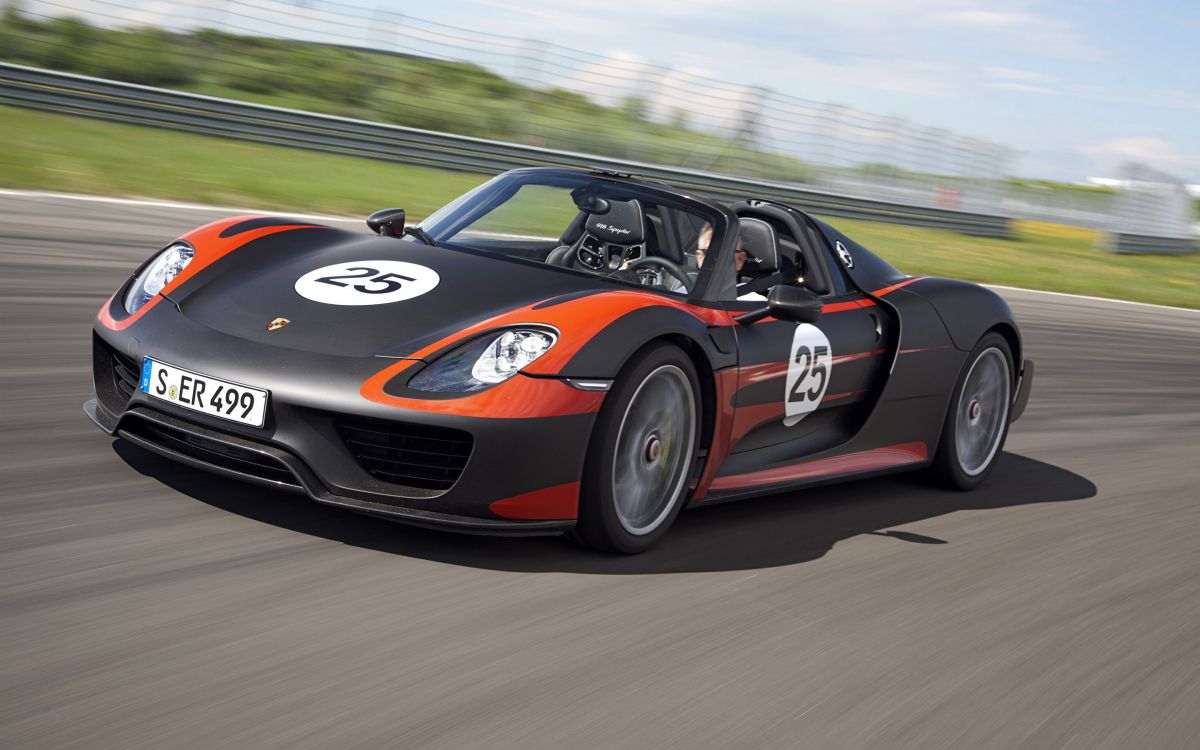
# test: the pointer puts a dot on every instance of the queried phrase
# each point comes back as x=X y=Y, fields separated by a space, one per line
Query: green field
x=58 y=152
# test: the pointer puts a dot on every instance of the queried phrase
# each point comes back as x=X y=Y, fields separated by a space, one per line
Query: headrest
x=623 y=223
x=762 y=245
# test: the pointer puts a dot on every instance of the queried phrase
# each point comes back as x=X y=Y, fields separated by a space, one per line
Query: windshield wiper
x=420 y=234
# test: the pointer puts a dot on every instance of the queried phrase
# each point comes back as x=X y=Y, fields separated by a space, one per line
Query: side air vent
x=125 y=374
x=116 y=375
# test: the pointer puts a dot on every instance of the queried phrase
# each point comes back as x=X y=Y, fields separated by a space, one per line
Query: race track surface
x=147 y=605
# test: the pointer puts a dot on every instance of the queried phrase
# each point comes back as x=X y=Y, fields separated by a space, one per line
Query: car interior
x=784 y=249
x=629 y=235
x=659 y=243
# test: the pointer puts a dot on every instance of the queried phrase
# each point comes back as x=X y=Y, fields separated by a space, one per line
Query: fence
x=364 y=63
x=672 y=116
x=144 y=105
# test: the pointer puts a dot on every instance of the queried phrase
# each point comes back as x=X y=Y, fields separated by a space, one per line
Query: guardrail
x=53 y=91
x=1122 y=243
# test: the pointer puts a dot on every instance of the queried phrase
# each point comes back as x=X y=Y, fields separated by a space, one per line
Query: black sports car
x=555 y=351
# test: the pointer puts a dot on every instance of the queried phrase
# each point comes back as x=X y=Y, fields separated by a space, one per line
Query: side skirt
x=857 y=465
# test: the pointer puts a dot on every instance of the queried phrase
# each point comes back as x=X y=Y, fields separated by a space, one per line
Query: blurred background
x=998 y=142
x=1044 y=144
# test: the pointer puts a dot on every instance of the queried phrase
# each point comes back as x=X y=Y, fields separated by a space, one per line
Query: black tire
x=662 y=380
x=962 y=462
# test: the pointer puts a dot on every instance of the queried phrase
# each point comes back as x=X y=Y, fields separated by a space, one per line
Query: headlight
x=484 y=362
x=157 y=274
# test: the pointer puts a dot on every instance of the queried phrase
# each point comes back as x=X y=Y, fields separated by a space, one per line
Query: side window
x=838 y=282
x=695 y=235
x=679 y=236
x=796 y=268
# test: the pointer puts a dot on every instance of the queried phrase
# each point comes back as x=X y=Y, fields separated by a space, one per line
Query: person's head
x=703 y=240
x=740 y=255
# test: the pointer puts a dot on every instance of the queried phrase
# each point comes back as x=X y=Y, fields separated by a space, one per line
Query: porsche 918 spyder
x=557 y=350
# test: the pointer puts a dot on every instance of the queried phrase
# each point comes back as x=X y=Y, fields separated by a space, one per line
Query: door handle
x=875 y=323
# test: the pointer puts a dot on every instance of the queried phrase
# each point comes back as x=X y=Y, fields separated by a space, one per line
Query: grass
x=57 y=152
x=1053 y=257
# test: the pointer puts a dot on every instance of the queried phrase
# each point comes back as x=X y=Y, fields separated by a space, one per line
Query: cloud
x=1018 y=80
x=1023 y=88
x=987 y=18
x=1023 y=29
x=1016 y=74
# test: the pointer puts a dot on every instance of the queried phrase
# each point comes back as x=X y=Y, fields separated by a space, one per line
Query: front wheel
x=642 y=453
x=977 y=420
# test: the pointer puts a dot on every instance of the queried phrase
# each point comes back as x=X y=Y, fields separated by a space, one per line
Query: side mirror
x=387 y=223
x=784 y=302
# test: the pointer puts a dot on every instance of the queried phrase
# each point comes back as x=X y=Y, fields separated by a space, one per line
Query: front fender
x=604 y=354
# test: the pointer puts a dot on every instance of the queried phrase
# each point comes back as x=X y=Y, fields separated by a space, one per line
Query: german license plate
x=202 y=393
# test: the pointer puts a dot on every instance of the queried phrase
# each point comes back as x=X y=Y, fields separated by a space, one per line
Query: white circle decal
x=367 y=282
x=808 y=373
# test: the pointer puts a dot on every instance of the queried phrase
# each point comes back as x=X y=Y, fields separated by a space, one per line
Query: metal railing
x=143 y=105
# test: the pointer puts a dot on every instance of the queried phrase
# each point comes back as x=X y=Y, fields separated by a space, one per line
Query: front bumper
x=513 y=464
x=301 y=480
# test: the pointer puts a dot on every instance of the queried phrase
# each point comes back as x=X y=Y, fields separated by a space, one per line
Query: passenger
x=704 y=239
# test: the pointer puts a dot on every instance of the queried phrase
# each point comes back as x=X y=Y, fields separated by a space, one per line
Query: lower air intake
x=413 y=455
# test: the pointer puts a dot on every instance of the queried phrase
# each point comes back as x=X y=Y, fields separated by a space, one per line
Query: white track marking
x=1093 y=299
x=355 y=220
x=173 y=204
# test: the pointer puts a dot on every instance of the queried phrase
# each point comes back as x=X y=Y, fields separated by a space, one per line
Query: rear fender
x=968 y=311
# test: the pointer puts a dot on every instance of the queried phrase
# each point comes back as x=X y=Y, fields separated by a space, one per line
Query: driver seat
x=621 y=226
x=570 y=236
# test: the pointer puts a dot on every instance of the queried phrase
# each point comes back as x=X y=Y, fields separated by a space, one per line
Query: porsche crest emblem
x=278 y=323
x=844 y=254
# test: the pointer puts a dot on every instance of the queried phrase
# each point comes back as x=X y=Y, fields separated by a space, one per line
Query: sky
x=1076 y=87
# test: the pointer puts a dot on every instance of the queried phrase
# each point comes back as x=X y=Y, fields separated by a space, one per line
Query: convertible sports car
x=558 y=350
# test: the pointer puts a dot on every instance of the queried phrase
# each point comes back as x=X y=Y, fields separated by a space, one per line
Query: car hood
x=243 y=292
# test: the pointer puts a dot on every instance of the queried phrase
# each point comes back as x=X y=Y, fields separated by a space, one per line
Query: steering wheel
x=668 y=266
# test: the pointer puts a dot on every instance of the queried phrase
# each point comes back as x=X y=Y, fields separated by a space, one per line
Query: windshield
x=622 y=231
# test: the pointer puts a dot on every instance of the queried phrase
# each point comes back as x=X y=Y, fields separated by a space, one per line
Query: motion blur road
x=147 y=605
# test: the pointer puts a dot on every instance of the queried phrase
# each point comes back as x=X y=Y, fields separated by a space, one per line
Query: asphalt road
x=147 y=605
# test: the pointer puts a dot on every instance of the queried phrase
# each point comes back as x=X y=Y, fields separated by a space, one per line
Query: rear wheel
x=642 y=453
x=977 y=420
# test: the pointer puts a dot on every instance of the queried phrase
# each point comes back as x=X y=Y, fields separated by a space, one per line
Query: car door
x=807 y=387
